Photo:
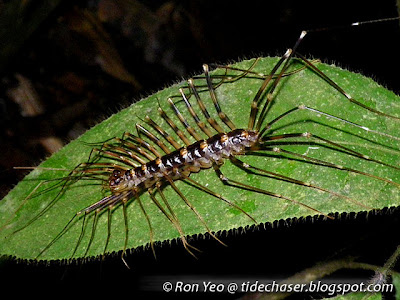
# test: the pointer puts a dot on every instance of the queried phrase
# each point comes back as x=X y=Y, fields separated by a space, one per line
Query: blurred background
x=66 y=65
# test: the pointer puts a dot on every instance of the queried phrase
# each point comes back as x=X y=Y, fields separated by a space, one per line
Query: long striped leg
x=203 y=108
x=128 y=146
x=171 y=182
x=163 y=133
x=228 y=78
x=234 y=183
x=122 y=154
x=109 y=210
x=224 y=118
x=256 y=170
x=218 y=196
x=339 y=89
x=141 y=130
x=257 y=98
x=309 y=135
x=94 y=225
x=98 y=206
x=124 y=204
x=175 y=128
x=326 y=164
x=320 y=112
x=171 y=217
x=286 y=63
x=250 y=73
x=149 y=223
x=132 y=138
x=196 y=118
x=184 y=122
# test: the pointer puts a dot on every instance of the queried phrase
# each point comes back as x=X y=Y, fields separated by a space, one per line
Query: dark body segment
x=184 y=161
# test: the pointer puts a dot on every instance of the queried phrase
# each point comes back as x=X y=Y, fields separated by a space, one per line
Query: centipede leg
x=172 y=218
x=149 y=224
x=230 y=203
x=94 y=225
x=248 y=167
x=235 y=183
x=124 y=205
x=187 y=202
x=110 y=207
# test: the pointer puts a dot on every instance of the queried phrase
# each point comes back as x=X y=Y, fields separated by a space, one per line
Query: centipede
x=187 y=150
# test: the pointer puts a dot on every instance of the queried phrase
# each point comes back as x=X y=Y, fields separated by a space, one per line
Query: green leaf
x=303 y=87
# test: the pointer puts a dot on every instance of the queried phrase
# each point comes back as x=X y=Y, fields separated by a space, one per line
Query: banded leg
x=269 y=96
x=234 y=183
x=111 y=154
x=119 y=151
x=175 y=128
x=218 y=196
x=161 y=131
x=124 y=204
x=253 y=74
x=141 y=130
x=109 y=210
x=94 y=225
x=229 y=78
x=325 y=163
x=257 y=97
x=340 y=90
x=199 y=123
x=175 y=188
x=129 y=145
x=171 y=217
x=221 y=114
x=132 y=138
x=203 y=108
x=309 y=135
x=80 y=235
x=149 y=224
x=181 y=118
x=248 y=167
x=319 y=112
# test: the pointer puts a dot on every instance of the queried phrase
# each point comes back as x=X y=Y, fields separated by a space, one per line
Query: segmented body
x=184 y=161
x=133 y=166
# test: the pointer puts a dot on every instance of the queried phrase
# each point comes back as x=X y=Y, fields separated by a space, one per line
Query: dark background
x=71 y=60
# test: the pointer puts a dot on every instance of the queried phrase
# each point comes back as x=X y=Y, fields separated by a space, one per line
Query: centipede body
x=176 y=160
